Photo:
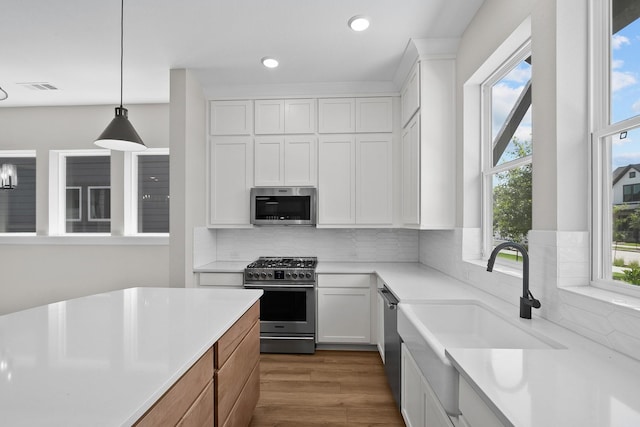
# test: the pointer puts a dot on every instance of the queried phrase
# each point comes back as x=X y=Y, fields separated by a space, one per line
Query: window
x=147 y=210
x=616 y=148
x=80 y=192
x=507 y=152
x=18 y=205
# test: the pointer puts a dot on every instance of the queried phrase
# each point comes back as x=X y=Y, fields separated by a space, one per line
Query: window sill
x=617 y=299
x=515 y=270
x=85 y=239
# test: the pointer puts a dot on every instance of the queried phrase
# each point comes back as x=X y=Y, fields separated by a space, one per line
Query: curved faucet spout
x=527 y=300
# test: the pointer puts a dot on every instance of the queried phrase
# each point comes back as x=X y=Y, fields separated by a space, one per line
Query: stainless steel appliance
x=283 y=206
x=288 y=305
x=392 y=342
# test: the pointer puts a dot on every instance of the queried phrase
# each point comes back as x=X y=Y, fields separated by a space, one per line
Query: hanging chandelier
x=120 y=134
x=8 y=176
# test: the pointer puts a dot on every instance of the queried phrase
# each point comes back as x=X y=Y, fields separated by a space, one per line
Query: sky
x=625 y=91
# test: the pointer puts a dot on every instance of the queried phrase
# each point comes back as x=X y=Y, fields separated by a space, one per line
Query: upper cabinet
x=231 y=117
x=351 y=115
x=428 y=145
x=285 y=160
x=410 y=94
x=290 y=116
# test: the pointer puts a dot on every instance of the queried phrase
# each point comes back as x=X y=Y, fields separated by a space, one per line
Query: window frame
x=131 y=190
x=602 y=132
x=57 y=189
x=488 y=171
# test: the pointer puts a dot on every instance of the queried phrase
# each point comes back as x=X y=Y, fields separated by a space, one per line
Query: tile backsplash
x=345 y=244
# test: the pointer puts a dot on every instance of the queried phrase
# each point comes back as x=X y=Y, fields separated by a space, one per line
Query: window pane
x=91 y=176
x=511 y=112
x=153 y=194
x=18 y=206
x=625 y=155
x=512 y=204
x=625 y=60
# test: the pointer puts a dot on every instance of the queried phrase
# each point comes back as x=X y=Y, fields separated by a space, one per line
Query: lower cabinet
x=221 y=388
x=475 y=413
x=419 y=405
x=344 y=308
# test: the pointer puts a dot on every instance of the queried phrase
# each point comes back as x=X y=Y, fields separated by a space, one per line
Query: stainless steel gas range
x=287 y=307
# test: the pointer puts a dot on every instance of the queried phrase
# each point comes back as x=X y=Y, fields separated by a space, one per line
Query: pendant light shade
x=120 y=134
x=3 y=94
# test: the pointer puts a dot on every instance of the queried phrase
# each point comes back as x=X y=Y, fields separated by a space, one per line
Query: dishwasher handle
x=389 y=298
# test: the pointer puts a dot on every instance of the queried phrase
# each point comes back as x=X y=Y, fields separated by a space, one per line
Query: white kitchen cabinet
x=419 y=405
x=336 y=115
x=269 y=116
x=223 y=280
x=336 y=180
x=230 y=117
x=475 y=412
x=410 y=94
x=290 y=116
x=411 y=172
x=374 y=115
x=380 y=305
x=433 y=127
x=374 y=178
x=230 y=179
x=344 y=308
x=285 y=160
x=355 y=180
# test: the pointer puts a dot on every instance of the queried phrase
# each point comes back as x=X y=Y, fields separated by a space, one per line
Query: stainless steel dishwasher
x=391 y=342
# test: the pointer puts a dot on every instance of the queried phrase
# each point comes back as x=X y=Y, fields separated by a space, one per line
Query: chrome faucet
x=527 y=300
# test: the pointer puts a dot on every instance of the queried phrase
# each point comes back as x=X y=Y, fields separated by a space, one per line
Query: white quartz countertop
x=103 y=360
x=585 y=384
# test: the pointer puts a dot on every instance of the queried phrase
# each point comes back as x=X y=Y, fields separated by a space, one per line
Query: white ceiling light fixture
x=269 y=62
x=120 y=134
x=359 y=23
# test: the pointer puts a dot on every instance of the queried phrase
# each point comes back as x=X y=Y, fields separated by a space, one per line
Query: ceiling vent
x=38 y=86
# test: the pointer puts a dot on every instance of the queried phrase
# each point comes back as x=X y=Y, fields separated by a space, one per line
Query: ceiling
x=74 y=44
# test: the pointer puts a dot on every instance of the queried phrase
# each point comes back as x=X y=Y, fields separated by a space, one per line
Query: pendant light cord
x=121 y=48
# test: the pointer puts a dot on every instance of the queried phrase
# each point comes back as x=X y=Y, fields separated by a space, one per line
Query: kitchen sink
x=429 y=328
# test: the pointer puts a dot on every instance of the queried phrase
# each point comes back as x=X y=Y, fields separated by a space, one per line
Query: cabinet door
x=412 y=396
x=269 y=161
x=269 y=117
x=230 y=117
x=300 y=160
x=300 y=116
x=231 y=177
x=411 y=172
x=374 y=115
x=337 y=115
x=374 y=201
x=336 y=180
x=344 y=315
x=410 y=94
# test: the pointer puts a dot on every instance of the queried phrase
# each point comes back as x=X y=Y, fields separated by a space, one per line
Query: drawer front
x=201 y=412
x=232 y=338
x=172 y=406
x=344 y=280
x=232 y=376
x=229 y=280
x=243 y=409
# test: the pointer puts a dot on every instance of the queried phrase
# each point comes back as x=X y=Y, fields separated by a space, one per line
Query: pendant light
x=3 y=94
x=8 y=177
x=120 y=134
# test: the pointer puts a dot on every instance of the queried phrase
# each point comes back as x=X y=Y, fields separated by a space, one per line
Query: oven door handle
x=277 y=285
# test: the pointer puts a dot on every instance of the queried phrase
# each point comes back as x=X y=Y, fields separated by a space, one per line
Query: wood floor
x=328 y=388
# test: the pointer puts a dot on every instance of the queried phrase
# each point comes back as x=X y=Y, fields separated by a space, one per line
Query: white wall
x=51 y=269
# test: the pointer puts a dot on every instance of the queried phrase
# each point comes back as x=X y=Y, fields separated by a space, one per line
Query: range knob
x=264 y=275
x=308 y=275
x=270 y=275
x=288 y=275
x=294 y=275
x=249 y=274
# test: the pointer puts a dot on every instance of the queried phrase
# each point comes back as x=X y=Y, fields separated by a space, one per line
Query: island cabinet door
x=237 y=375
x=183 y=397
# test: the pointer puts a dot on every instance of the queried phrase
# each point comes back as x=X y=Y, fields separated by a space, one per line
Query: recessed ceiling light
x=359 y=23
x=269 y=62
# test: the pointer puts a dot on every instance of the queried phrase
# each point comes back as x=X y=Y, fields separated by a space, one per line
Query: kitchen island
x=108 y=359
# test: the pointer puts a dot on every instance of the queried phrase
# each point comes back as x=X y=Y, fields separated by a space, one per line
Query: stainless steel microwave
x=283 y=206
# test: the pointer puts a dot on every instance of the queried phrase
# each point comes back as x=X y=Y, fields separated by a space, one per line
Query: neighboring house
x=626 y=185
